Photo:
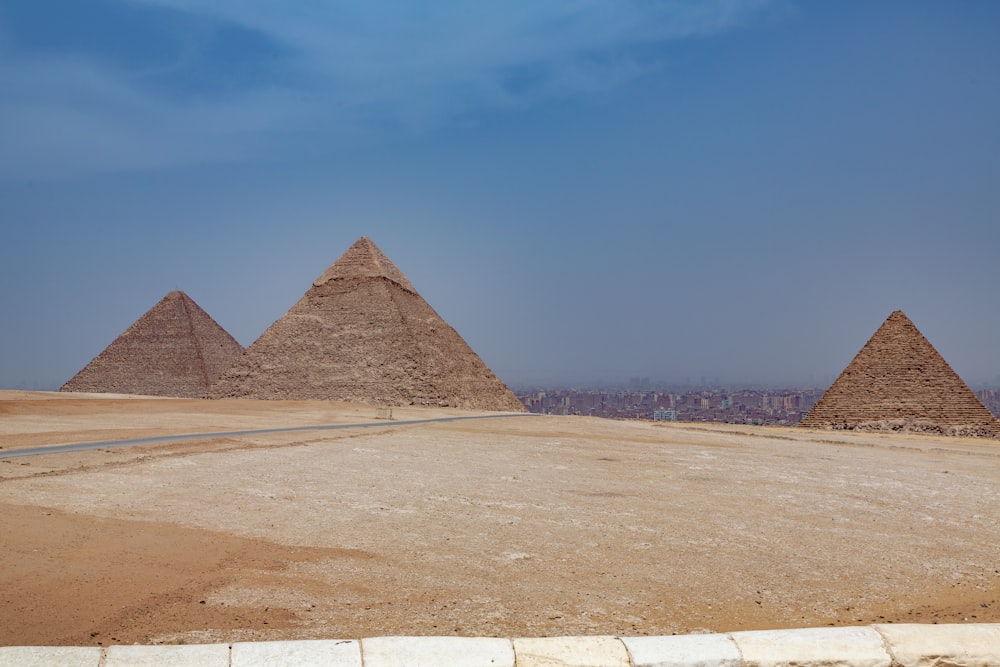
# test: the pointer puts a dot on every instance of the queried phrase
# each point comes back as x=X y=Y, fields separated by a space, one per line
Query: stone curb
x=907 y=645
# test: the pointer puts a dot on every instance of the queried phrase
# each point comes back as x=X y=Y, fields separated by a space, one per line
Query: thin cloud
x=62 y=119
x=377 y=52
x=236 y=78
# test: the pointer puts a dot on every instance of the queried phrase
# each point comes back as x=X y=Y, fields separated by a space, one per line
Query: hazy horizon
x=734 y=189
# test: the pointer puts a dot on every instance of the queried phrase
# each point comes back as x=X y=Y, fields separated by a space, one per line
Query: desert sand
x=508 y=526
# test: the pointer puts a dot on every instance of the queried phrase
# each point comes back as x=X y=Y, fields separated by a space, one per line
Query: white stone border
x=907 y=645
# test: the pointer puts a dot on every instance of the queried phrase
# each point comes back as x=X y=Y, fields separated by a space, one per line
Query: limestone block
x=813 y=647
x=184 y=655
x=44 y=656
x=683 y=651
x=437 y=651
x=305 y=653
x=955 y=645
x=570 y=652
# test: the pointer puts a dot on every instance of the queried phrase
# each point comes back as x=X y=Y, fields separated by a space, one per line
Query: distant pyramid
x=175 y=349
x=363 y=334
x=898 y=381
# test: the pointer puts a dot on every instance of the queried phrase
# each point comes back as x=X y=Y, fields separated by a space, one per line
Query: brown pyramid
x=899 y=382
x=175 y=349
x=363 y=334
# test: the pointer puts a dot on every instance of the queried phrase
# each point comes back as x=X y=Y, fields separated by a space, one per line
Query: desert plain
x=509 y=525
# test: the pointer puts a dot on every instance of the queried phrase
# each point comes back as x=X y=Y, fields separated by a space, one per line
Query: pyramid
x=899 y=382
x=361 y=333
x=175 y=349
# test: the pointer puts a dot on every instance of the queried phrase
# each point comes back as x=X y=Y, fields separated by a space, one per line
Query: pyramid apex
x=364 y=259
x=898 y=317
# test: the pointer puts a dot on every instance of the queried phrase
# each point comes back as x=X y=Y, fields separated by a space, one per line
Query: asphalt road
x=104 y=444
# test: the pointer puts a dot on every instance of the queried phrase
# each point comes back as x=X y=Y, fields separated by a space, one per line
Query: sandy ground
x=517 y=526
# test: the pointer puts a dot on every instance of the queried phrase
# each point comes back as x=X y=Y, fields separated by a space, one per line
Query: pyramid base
x=911 y=425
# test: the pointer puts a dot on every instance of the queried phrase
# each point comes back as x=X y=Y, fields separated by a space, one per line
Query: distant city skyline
x=740 y=190
x=759 y=407
x=734 y=405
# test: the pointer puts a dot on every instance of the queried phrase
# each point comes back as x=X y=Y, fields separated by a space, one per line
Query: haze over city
x=735 y=191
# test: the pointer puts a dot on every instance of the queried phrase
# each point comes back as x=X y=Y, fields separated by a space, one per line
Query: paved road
x=83 y=446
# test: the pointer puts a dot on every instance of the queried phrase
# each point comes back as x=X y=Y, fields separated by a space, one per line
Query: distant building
x=738 y=407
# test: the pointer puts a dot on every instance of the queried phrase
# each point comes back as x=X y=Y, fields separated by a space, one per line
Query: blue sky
x=596 y=189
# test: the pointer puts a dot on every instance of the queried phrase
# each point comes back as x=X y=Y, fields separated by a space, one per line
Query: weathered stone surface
x=45 y=656
x=363 y=334
x=916 y=645
x=899 y=382
x=683 y=651
x=570 y=652
x=203 y=655
x=305 y=653
x=812 y=647
x=174 y=349
x=437 y=651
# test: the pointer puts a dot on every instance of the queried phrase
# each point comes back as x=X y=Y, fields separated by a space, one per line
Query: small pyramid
x=899 y=382
x=174 y=349
x=362 y=334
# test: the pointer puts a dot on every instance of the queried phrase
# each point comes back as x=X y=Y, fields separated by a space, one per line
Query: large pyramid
x=363 y=334
x=175 y=349
x=898 y=381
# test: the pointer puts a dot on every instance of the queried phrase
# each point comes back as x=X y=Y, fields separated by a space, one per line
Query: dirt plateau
x=509 y=526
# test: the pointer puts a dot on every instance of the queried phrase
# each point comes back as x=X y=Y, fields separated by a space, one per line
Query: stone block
x=570 y=652
x=683 y=651
x=954 y=645
x=44 y=656
x=305 y=653
x=437 y=651
x=182 y=655
x=813 y=647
